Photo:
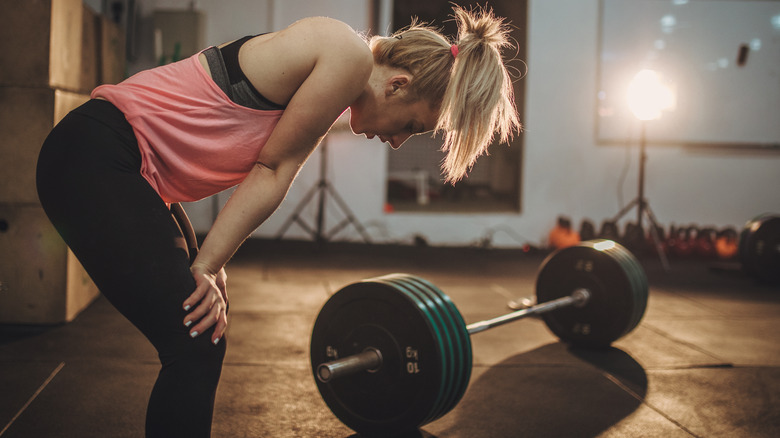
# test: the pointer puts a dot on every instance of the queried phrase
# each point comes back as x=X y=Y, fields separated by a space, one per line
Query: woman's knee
x=198 y=357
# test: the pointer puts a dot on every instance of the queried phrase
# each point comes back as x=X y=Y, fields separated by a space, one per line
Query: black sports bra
x=227 y=74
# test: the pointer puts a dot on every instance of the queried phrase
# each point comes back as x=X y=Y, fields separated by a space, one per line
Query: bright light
x=648 y=97
x=604 y=245
x=668 y=21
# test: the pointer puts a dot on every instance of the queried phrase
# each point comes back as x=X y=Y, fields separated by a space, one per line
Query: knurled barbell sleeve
x=369 y=360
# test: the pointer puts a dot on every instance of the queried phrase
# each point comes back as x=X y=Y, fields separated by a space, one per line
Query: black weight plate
x=463 y=339
x=636 y=275
x=401 y=395
x=580 y=267
x=616 y=282
x=759 y=248
x=459 y=366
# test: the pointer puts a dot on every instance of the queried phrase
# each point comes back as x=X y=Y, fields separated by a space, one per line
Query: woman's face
x=391 y=117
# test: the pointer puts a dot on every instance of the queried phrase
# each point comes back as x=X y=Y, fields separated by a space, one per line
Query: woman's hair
x=472 y=90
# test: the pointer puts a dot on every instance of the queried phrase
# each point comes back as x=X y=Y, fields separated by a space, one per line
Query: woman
x=247 y=113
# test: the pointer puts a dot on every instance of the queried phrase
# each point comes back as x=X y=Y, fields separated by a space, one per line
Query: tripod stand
x=322 y=188
x=643 y=207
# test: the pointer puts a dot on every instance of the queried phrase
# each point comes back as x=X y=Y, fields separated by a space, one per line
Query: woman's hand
x=208 y=303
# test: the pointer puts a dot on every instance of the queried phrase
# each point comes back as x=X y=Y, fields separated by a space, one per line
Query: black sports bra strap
x=243 y=90
x=230 y=54
x=227 y=74
x=218 y=71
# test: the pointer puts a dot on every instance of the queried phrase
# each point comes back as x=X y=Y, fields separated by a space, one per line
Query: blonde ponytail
x=479 y=100
x=472 y=91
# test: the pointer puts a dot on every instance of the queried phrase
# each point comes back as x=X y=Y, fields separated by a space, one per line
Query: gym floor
x=704 y=361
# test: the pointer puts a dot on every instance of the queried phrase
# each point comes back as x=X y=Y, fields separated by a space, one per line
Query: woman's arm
x=339 y=65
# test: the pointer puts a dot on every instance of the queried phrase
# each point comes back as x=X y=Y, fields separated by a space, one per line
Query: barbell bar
x=580 y=297
x=393 y=353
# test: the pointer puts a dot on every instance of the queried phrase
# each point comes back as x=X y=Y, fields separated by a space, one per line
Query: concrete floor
x=704 y=362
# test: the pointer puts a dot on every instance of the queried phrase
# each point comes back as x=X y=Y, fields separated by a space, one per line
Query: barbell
x=393 y=353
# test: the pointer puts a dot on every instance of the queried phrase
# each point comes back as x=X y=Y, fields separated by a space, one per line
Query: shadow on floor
x=527 y=396
x=10 y=333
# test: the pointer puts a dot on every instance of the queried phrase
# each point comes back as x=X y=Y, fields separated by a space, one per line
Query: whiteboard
x=721 y=57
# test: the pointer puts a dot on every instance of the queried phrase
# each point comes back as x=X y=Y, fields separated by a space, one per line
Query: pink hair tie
x=454 y=50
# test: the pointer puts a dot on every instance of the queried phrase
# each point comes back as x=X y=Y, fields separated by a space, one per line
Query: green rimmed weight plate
x=463 y=339
x=617 y=286
x=408 y=387
x=437 y=317
x=458 y=366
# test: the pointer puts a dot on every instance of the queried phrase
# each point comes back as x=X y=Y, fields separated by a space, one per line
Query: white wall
x=705 y=186
x=564 y=170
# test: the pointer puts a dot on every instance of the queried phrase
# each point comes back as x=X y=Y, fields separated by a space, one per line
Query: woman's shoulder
x=328 y=35
x=279 y=63
x=323 y=26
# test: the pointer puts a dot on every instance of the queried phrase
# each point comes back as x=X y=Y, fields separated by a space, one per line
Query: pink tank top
x=194 y=140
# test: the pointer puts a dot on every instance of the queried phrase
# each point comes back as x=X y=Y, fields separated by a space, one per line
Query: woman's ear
x=397 y=83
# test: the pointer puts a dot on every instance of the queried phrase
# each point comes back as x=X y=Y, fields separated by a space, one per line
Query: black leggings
x=90 y=186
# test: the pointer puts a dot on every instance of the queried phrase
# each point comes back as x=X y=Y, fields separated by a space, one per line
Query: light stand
x=322 y=188
x=647 y=99
x=643 y=206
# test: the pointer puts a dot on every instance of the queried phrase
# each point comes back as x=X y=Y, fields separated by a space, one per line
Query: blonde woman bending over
x=248 y=113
